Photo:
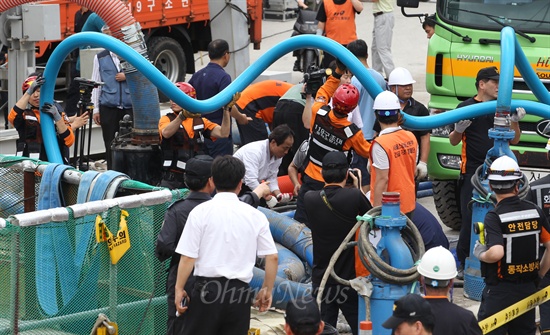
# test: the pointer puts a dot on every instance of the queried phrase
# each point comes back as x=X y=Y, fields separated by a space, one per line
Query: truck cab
x=466 y=39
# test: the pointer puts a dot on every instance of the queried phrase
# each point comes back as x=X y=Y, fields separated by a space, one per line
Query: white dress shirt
x=259 y=164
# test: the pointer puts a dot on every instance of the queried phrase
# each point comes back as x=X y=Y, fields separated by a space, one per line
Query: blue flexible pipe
x=251 y=73
x=283 y=290
x=506 y=82
x=291 y=266
x=530 y=77
x=291 y=234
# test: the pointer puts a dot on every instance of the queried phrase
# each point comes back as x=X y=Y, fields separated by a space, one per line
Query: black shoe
x=296 y=66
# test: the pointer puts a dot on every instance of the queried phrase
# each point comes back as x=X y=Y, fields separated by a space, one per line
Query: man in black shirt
x=474 y=135
x=510 y=257
x=332 y=214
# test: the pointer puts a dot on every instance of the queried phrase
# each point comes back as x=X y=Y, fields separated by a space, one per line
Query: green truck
x=466 y=39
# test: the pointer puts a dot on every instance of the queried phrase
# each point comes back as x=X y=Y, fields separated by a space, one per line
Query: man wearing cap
x=393 y=155
x=332 y=214
x=540 y=195
x=510 y=260
x=302 y=317
x=262 y=160
x=199 y=181
x=437 y=271
x=475 y=140
x=412 y=314
x=220 y=241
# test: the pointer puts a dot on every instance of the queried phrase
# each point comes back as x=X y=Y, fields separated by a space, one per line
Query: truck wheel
x=447 y=202
x=168 y=56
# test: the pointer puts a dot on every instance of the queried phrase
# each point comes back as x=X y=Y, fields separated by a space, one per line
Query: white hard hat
x=438 y=263
x=504 y=168
x=400 y=76
x=386 y=101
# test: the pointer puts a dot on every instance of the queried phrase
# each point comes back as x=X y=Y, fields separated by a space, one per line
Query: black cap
x=410 y=307
x=335 y=160
x=488 y=73
x=303 y=314
x=199 y=166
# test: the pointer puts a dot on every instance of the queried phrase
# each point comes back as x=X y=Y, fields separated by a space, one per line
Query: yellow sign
x=509 y=313
x=118 y=244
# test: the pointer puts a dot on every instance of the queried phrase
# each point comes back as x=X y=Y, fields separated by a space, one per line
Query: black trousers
x=219 y=147
x=255 y=130
x=339 y=297
x=308 y=184
x=110 y=118
x=504 y=294
x=219 y=306
x=290 y=113
x=463 y=245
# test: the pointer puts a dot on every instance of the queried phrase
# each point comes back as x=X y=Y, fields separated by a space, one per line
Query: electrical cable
x=370 y=259
x=377 y=266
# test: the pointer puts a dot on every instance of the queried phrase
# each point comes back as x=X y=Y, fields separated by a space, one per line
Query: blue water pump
x=392 y=262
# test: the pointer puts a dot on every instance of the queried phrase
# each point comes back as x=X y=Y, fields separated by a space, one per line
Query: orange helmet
x=345 y=98
x=27 y=83
x=187 y=89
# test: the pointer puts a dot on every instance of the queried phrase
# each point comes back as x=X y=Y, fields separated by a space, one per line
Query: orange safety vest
x=340 y=25
x=401 y=147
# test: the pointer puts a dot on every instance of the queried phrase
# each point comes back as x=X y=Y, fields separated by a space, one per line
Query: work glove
x=461 y=126
x=283 y=198
x=35 y=85
x=479 y=249
x=518 y=115
x=272 y=202
x=421 y=170
x=319 y=32
x=52 y=111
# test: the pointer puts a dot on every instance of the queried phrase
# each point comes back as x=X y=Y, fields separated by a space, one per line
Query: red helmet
x=187 y=89
x=345 y=99
x=27 y=83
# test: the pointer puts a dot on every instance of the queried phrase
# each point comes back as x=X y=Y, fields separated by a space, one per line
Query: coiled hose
x=367 y=252
x=377 y=266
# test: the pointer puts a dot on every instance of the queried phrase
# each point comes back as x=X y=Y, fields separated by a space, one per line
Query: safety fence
x=62 y=267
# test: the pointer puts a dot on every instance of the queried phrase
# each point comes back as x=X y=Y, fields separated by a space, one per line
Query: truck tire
x=447 y=202
x=168 y=56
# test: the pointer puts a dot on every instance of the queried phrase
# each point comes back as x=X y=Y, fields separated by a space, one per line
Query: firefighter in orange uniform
x=25 y=117
x=393 y=155
x=182 y=137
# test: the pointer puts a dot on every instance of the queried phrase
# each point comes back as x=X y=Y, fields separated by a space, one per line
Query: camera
x=314 y=78
x=87 y=82
x=349 y=181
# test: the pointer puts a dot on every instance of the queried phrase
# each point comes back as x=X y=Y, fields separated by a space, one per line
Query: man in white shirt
x=112 y=100
x=221 y=240
x=262 y=160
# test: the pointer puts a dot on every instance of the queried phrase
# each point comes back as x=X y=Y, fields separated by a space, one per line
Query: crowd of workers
x=342 y=150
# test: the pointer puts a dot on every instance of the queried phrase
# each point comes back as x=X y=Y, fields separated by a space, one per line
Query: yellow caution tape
x=508 y=314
